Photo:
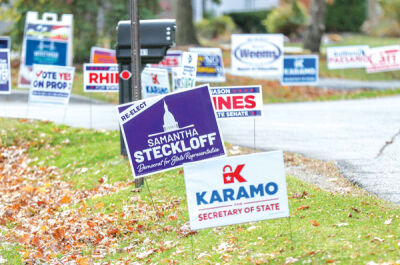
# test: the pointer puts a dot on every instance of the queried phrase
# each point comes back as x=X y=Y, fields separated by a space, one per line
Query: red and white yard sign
x=237 y=101
x=383 y=59
x=234 y=190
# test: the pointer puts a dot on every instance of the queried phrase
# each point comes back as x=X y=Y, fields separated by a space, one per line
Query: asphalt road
x=354 y=133
x=81 y=112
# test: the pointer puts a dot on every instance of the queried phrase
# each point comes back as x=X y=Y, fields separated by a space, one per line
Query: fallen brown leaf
x=303 y=207
x=314 y=222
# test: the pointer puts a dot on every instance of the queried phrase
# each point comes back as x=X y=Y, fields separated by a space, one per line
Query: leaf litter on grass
x=38 y=203
x=132 y=231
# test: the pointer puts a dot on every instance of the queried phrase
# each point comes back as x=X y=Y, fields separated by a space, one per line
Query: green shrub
x=250 y=22
x=346 y=15
x=216 y=27
x=288 y=19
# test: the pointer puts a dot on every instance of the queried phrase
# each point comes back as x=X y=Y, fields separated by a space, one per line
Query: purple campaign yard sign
x=165 y=132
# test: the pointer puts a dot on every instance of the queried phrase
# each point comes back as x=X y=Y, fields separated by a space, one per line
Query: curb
x=22 y=96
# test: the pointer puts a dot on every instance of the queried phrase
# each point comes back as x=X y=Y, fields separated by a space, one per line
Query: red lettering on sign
x=93 y=77
x=101 y=78
x=250 y=102
x=222 y=102
x=229 y=176
x=234 y=102
x=237 y=102
x=155 y=79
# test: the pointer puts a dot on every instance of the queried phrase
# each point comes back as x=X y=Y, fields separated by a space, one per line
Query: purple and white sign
x=5 y=73
x=177 y=128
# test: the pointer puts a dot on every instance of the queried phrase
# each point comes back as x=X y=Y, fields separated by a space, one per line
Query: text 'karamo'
x=225 y=195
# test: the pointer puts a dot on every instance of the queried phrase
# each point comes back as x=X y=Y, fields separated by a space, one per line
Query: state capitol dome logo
x=170 y=123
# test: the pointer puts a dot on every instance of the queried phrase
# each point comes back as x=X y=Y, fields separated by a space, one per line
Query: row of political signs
x=185 y=131
x=186 y=68
x=377 y=59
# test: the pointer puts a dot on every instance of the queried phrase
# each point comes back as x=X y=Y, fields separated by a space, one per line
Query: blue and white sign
x=236 y=190
x=47 y=41
x=174 y=129
x=185 y=76
x=100 y=77
x=51 y=84
x=237 y=101
x=257 y=54
x=155 y=82
x=300 y=70
x=5 y=73
x=210 y=66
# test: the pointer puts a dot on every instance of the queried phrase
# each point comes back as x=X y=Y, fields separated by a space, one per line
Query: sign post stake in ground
x=64 y=115
x=254 y=130
x=135 y=60
x=290 y=229
x=90 y=111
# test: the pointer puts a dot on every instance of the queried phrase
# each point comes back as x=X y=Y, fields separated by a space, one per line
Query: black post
x=135 y=60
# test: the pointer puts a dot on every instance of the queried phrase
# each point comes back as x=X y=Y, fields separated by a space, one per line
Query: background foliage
x=250 y=22
x=389 y=22
x=288 y=18
x=216 y=27
x=86 y=15
x=346 y=15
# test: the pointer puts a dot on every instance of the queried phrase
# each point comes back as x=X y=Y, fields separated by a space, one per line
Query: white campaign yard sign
x=51 y=84
x=155 y=82
x=381 y=59
x=189 y=69
x=343 y=57
x=237 y=101
x=185 y=76
x=100 y=77
x=234 y=190
x=257 y=54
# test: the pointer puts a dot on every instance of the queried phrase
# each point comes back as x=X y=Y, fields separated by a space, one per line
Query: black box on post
x=156 y=37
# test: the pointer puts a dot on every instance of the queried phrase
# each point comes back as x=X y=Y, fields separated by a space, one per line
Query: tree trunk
x=185 y=31
x=312 y=40
x=374 y=12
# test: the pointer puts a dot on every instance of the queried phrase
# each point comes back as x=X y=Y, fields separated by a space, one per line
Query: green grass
x=10 y=252
x=271 y=241
x=358 y=39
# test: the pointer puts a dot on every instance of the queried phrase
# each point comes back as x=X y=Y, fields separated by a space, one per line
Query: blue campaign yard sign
x=300 y=70
x=46 y=52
